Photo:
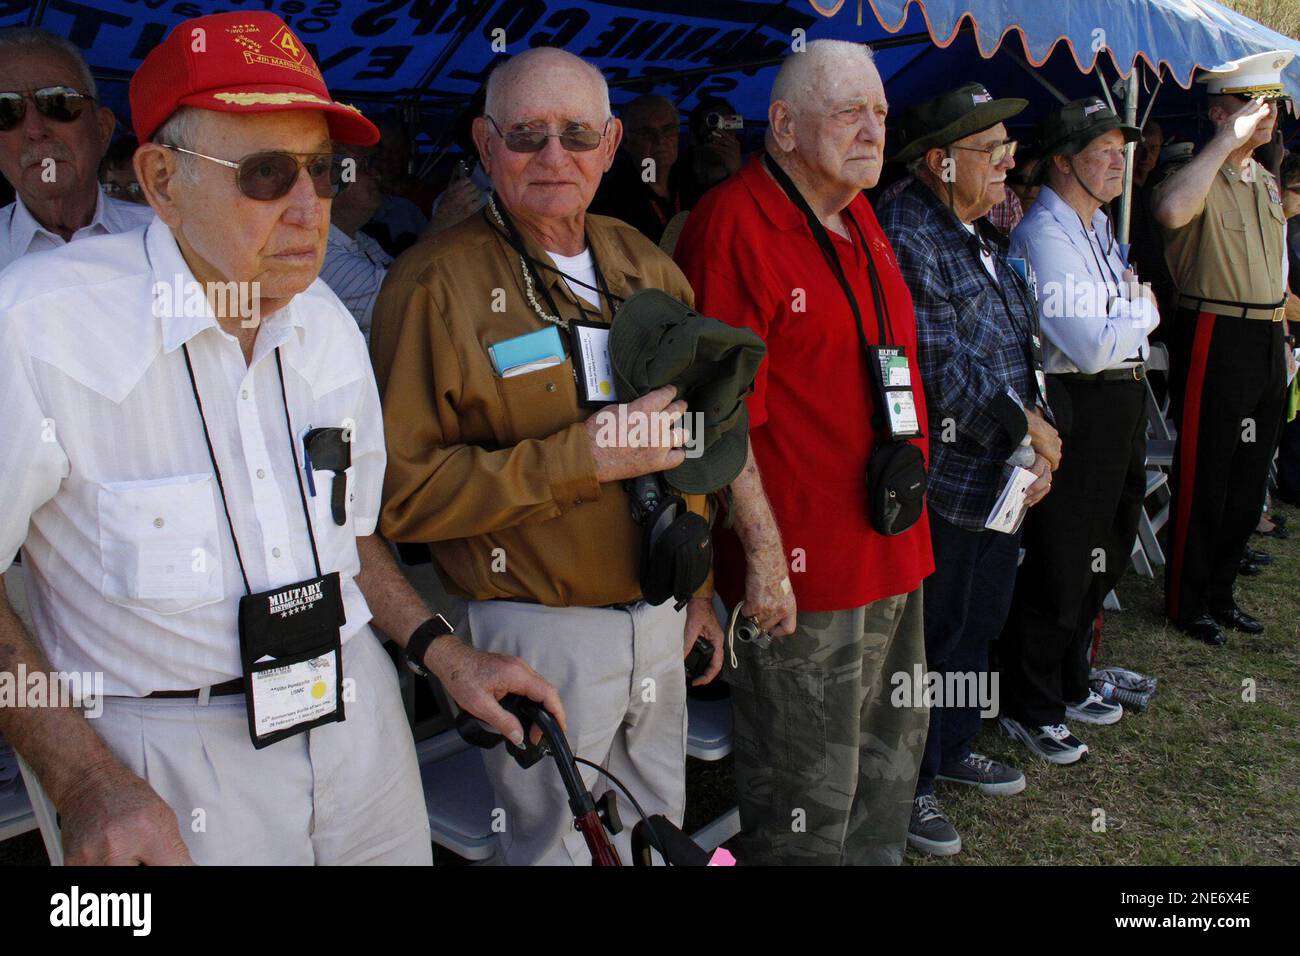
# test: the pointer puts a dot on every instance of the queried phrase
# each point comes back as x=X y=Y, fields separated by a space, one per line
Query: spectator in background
x=403 y=215
x=641 y=187
x=52 y=138
x=1022 y=179
x=818 y=739
x=714 y=151
x=1147 y=252
x=1288 y=465
x=117 y=172
x=468 y=189
x=355 y=264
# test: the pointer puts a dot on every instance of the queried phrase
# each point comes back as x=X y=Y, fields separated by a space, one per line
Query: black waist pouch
x=895 y=487
x=676 y=554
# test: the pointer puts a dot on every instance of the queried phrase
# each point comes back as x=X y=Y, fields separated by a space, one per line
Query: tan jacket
x=496 y=474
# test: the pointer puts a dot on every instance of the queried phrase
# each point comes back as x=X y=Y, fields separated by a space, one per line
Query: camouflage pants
x=825 y=765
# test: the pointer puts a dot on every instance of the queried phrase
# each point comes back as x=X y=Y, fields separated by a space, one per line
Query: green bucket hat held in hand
x=655 y=341
x=948 y=117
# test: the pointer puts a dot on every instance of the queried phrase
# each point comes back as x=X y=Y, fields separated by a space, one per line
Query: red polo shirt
x=752 y=260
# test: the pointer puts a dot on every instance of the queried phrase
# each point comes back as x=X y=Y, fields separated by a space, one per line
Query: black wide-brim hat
x=656 y=341
x=948 y=117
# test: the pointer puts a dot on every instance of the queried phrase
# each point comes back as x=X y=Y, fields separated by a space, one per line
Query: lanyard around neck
x=516 y=242
x=225 y=504
x=820 y=233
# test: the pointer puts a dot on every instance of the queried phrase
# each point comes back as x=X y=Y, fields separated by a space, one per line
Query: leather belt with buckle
x=1135 y=373
x=226 y=689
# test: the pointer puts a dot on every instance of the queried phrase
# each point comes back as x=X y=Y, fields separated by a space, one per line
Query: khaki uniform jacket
x=496 y=474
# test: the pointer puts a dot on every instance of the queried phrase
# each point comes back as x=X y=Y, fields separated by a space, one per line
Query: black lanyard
x=828 y=252
x=977 y=243
x=516 y=242
x=207 y=437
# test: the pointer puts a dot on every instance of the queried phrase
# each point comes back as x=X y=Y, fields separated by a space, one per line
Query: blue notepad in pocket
x=525 y=349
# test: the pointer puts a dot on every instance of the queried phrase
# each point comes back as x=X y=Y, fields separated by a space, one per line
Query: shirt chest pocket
x=160 y=544
x=336 y=543
x=1233 y=220
x=538 y=404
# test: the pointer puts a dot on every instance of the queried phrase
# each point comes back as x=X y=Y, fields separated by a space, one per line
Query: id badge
x=891 y=372
x=592 y=366
x=291 y=653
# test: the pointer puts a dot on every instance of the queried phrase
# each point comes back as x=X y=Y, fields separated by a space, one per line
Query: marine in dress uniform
x=1225 y=238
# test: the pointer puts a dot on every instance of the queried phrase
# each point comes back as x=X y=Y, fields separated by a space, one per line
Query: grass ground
x=1204 y=777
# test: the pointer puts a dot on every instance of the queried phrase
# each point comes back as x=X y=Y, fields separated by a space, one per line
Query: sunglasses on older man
x=60 y=103
x=576 y=139
x=270 y=175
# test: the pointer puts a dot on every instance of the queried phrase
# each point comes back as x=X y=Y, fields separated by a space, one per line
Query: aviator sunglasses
x=575 y=139
x=60 y=103
x=270 y=175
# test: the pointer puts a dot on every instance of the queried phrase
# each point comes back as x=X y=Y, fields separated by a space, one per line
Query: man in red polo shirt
x=825 y=761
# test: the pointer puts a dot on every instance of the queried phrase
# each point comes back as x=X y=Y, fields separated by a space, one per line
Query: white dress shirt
x=107 y=481
x=1089 y=323
x=354 y=268
x=20 y=233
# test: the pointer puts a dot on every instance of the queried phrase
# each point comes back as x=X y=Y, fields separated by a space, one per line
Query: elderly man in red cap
x=194 y=455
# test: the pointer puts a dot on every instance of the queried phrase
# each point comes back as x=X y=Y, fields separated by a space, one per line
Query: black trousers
x=1288 y=462
x=1077 y=544
x=966 y=603
x=1228 y=388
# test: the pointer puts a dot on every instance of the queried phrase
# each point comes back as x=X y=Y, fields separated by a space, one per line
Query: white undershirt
x=582 y=268
x=985 y=256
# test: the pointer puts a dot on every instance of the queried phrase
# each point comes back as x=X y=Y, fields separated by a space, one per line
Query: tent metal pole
x=1151 y=102
x=1019 y=61
x=1105 y=90
x=1130 y=149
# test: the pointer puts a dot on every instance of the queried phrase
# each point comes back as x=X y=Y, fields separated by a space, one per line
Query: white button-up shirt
x=107 y=481
x=1088 y=322
x=20 y=233
x=354 y=268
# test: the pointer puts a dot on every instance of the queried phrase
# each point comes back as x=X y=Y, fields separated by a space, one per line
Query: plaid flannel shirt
x=973 y=356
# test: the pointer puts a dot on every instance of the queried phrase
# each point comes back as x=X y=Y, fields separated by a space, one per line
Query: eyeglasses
x=576 y=139
x=270 y=175
x=997 y=153
x=61 y=103
x=130 y=191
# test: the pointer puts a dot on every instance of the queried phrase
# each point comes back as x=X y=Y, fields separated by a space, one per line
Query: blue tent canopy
x=436 y=53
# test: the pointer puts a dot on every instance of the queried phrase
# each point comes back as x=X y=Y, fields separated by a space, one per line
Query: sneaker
x=992 y=777
x=929 y=831
x=1094 y=710
x=1054 y=743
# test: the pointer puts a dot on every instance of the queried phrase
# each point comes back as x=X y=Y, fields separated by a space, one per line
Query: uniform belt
x=1134 y=373
x=1240 y=310
x=226 y=689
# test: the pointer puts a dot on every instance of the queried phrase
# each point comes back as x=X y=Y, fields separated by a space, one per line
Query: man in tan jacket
x=504 y=473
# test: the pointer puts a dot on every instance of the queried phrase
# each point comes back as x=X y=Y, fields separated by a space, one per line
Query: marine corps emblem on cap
x=1256 y=75
x=237 y=63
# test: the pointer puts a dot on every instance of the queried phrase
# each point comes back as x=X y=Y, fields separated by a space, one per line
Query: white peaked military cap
x=1256 y=75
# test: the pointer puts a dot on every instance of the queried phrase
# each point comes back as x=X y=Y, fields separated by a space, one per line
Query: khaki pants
x=826 y=766
x=344 y=793
x=621 y=678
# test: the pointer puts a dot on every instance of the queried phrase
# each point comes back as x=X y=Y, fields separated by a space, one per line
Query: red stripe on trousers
x=1188 y=429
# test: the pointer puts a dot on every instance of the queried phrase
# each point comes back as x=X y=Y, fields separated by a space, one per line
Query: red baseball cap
x=237 y=63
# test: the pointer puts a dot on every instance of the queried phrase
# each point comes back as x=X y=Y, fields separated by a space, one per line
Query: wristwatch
x=424 y=635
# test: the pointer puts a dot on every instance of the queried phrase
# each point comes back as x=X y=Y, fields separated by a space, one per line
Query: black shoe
x=930 y=831
x=1279 y=532
x=1277 y=517
x=1262 y=558
x=1239 y=620
x=1206 y=629
x=1249 y=569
